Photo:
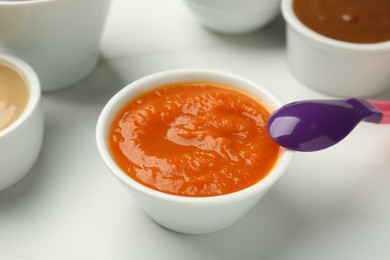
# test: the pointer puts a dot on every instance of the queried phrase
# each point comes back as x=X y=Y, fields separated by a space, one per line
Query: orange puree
x=193 y=139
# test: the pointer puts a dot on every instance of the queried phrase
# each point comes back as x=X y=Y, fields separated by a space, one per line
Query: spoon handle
x=384 y=108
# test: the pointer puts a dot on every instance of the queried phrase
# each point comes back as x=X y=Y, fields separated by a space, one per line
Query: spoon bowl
x=313 y=125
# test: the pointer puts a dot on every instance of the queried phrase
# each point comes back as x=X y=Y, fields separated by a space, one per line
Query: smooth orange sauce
x=193 y=139
x=356 y=21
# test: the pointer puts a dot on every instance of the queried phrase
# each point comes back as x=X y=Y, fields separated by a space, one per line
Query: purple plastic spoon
x=314 y=125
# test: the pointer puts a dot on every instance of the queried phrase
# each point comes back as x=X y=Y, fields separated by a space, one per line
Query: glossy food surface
x=193 y=139
x=356 y=21
x=13 y=95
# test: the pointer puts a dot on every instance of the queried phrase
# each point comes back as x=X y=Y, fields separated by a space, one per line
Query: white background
x=332 y=204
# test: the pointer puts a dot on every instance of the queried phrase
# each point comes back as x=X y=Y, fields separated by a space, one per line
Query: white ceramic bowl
x=335 y=67
x=234 y=16
x=192 y=215
x=20 y=143
x=58 y=38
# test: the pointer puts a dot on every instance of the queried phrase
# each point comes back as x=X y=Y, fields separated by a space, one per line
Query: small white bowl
x=20 y=143
x=59 y=39
x=332 y=66
x=234 y=16
x=192 y=215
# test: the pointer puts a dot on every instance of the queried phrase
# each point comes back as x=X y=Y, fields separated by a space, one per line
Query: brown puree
x=13 y=95
x=356 y=21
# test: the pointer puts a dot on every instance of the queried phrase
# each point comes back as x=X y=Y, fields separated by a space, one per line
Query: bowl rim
x=23 y=2
x=237 y=6
x=34 y=90
x=117 y=102
x=293 y=21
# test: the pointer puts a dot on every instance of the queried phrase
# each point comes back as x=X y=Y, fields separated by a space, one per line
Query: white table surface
x=332 y=204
